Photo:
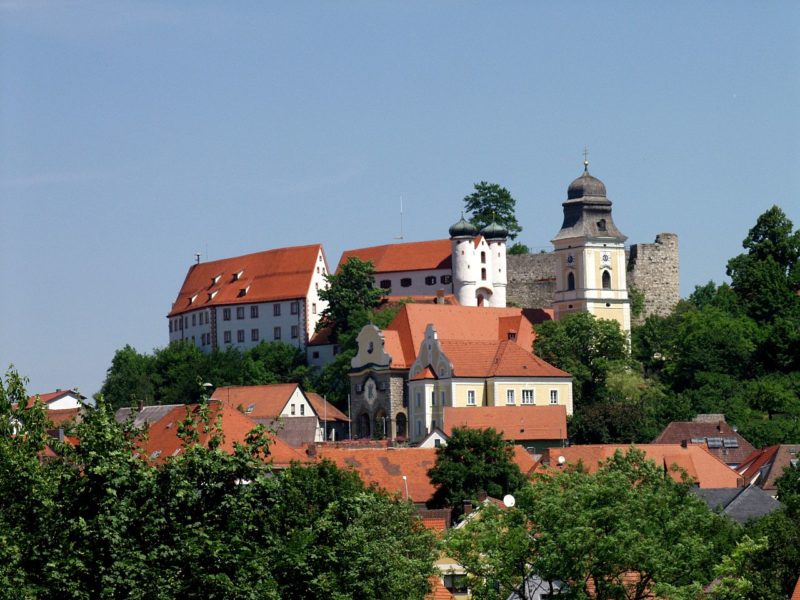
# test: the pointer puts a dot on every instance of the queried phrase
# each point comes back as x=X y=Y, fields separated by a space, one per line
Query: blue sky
x=134 y=134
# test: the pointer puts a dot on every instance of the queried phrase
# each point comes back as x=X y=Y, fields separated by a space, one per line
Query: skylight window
x=715 y=442
x=251 y=408
x=730 y=442
x=155 y=454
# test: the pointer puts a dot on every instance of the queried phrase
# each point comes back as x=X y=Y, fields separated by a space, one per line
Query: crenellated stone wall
x=653 y=269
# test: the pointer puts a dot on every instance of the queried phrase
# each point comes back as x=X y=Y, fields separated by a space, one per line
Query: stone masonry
x=653 y=269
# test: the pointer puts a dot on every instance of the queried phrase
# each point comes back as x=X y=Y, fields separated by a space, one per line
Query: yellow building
x=590 y=255
x=476 y=373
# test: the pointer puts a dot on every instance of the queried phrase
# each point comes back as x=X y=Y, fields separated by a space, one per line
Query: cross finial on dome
x=585 y=159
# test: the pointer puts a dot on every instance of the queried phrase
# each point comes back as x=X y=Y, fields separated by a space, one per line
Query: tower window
x=571 y=281
x=405 y=282
x=606 y=280
x=446 y=279
x=430 y=280
x=483 y=258
x=483 y=274
x=601 y=225
x=386 y=284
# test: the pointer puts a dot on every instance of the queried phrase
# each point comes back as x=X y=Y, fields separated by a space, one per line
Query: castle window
x=446 y=279
x=313 y=308
x=386 y=284
x=295 y=331
x=240 y=336
x=601 y=225
x=483 y=258
x=254 y=312
x=527 y=396
x=276 y=333
x=606 y=280
x=483 y=274
x=276 y=310
x=227 y=337
x=240 y=312
x=509 y=396
x=405 y=282
x=430 y=280
x=553 y=396
x=294 y=307
x=571 y=281
x=254 y=335
x=471 y=397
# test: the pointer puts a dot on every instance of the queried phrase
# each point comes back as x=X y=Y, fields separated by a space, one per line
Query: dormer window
x=212 y=294
x=243 y=291
x=215 y=279
x=238 y=275
x=192 y=299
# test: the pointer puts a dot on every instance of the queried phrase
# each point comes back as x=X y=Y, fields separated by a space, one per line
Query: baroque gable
x=431 y=354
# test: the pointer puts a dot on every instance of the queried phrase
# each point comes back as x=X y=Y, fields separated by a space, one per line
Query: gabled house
x=297 y=418
x=380 y=370
x=64 y=408
x=764 y=467
x=740 y=504
x=241 y=301
x=711 y=431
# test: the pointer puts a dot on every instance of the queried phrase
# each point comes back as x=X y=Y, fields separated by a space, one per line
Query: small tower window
x=483 y=258
x=571 y=281
x=483 y=274
x=601 y=225
x=606 y=280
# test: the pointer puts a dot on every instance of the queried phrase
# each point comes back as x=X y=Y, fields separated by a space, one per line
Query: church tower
x=590 y=256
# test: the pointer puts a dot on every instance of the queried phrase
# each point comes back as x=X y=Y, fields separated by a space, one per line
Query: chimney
x=482 y=495
x=467 y=507
x=512 y=335
x=140 y=405
x=311 y=451
x=684 y=444
x=439 y=296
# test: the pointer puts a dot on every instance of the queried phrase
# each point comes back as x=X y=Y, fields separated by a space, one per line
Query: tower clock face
x=606 y=258
x=570 y=259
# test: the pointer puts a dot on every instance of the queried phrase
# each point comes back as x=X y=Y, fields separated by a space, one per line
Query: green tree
x=492 y=203
x=350 y=296
x=130 y=378
x=592 y=530
x=473 y=461
x=585 y=347
x=518 y=248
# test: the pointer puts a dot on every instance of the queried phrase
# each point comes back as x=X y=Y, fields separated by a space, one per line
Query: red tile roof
x=410 y=256
x=64 y=416
x=324 y=409
x=404 y=335
x=768 y=464
x=438 y=591
x=53 y=396
x=163 y=437
x=707 y=469
x=386 y=467
x=493 y=359
x=267 y=400
x=281 y=274
x=437 y=524
x=516 y=423
x=796 y=593
x=678 y=431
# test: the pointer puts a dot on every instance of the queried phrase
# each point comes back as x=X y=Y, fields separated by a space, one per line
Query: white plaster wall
x=418 y=286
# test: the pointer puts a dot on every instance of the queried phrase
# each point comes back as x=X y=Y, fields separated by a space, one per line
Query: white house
x=241 y=301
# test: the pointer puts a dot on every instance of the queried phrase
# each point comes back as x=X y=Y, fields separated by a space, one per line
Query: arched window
x=483 y=258
x=480 y=299
x=571 y=281
x=483 y=274
x=401 y=424
x=363 y=426
x=606 y=280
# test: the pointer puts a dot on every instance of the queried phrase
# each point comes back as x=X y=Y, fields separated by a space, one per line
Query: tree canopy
x=97 y=520
x=492 y=202
x=473 y=461
x=350 y=295
x=614 y=533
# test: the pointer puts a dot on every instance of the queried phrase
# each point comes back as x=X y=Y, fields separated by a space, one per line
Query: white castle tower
x=479 y=264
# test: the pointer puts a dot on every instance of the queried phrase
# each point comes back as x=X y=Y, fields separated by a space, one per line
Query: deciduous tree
x=492 y=202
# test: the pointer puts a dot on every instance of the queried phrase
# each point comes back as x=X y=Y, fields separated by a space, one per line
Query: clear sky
x=134 y=134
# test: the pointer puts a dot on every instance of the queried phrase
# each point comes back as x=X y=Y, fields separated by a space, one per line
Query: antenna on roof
x=197 y=258
x=400 y=237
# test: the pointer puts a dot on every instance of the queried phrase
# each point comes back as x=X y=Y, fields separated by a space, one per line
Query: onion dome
x=586 y=185
x=463 y=229
x=493 y=231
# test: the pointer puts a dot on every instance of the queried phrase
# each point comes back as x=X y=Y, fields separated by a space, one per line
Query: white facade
x=479 y=271
x=245 y=325
x=416 y=283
